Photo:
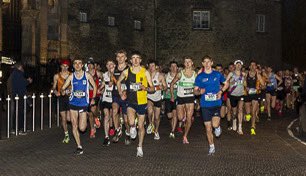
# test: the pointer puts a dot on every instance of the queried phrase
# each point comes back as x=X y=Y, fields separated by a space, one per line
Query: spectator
x=17 y=85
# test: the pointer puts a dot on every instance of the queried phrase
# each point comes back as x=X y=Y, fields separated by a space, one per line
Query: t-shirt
x=211 y=83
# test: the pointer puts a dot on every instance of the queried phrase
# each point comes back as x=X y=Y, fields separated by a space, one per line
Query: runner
x=296 y=78
x=79 y=99
x=208 y=84
x=253 y=83
x=155 y=99
x=273 y=82
x=138 y=83
x=171 y=105
x=235 y=94
x=118 y=102
x=288 y=82
x=107 y=99
x=185 y=96
x=58 y=81
x=93 y=112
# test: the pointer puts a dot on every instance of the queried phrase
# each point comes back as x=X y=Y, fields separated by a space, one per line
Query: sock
x=80 y=147
x=218 y=128
x=240 y=126
x=66 y=133
x=212 y=145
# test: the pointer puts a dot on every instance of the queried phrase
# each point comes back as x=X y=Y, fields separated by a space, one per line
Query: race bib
x=79 y=94
x=108 y=93
x=123 y=87
x=252 y=91
x=210 y=97
x=188 y=91
x=280 y=88
x=135 y=87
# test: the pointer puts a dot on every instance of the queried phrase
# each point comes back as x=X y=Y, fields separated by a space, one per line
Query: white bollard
x=16 y=111
x=8 y=116
x=25 y=113
x=50 y=109
x=42 y=111
x=33 y=113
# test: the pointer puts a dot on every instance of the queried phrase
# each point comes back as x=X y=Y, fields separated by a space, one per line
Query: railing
x=14 y=102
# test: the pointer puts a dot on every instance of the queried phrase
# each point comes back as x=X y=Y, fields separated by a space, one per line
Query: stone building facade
x=161 y=29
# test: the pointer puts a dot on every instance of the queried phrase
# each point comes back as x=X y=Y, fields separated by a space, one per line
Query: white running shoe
x=139 y=152
x=211 y=150
x=156 y=136
x=149 y=129
x=171 y=135
x=235 y=124
x=218 y=132
x=133 y=132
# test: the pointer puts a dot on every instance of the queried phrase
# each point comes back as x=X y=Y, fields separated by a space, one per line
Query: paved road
x=271 y=152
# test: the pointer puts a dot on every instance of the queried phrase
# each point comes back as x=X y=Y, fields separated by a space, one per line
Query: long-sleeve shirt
x=18 y=83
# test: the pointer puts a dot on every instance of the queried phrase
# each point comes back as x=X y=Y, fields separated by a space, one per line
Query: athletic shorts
x=63 y=103
x=209 y=113
x=97 y=99
x=184 y=100
x=280 y=95
x=235 y=100
x=271 y=92
x=78 y=108
x=140 y=109
x=252 y=97
x=121 y=103
x=156 y=103
x=169 y=106
x=106 y=105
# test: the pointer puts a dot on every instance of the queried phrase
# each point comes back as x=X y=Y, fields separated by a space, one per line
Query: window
x=83 y=17
x=111 y=21
x=260 y=23
x=201 y=20
x=137 y=24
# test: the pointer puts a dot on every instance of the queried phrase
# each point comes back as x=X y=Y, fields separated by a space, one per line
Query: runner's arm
x=120 y=79
x=66 y=84
x=163 y=81
x=279 y=79
x=151 y=87
x=175 y=79
x=93 y=84
x=55 y=78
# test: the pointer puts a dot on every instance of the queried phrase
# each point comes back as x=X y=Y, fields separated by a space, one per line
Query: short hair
x=219 y=65
x=173 y=62
x=187 y=57
x=110 y=60
x=206 y=57
x=122 y=51
x=75 y=59
x=152 y=61
x=253 y=61
x=18 y=64
x=136 y=53
x=231 y=63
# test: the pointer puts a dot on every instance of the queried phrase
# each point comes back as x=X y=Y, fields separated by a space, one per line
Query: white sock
x=240 y=126
x=212 y=145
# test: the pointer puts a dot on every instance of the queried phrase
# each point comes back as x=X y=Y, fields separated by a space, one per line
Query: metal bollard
x=57 y=111
x=8 y=116
x=33 y=113
x=25 y=113
x=42 y=111
x=50 y=109
x=16 y=110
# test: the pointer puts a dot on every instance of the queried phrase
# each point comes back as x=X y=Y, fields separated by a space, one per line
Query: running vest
x=107 y=94
x=60 y=82
x=186 y=85
x=167 y=94
x=236 y=85
x=79 y=91
x=135 y=95
x=253 y=84
x=272 y=85
x=96 y=79
x=157 y=95
x=116 y=76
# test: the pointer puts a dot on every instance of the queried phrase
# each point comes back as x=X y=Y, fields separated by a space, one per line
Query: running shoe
x=179 y=129
x=248 y=117
x=97 y=122
x=133 y=132
x=66 y=139
x=139 y=152
x=235 y=124
x=218 y=132
x=185 y=140
x=150 y=129
x=79 y=151
x=240 y=132
x=117 y=136
x=269 y=119
x=106 y=141
x=112 y=132
x=211 y=150
x=92 y=133
x=127 y=140
x=156 y=136
x=253 y=131
x=171 y=135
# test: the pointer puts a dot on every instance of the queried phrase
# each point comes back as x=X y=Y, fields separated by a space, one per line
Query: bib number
x=188 y=91
x=135 y=87
x=252 y=91
x=210 y=97
x=79 y=94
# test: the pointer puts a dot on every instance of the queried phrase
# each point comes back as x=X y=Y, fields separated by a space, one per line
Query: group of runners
x=125 y=94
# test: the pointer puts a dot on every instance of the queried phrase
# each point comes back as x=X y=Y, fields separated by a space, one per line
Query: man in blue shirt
x=208 y=85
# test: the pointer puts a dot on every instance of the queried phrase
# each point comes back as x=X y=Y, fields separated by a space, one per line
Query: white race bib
x=188 y=91
x=79 y=94
x=252 y=91
x=135 y=87
x=210 y=97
